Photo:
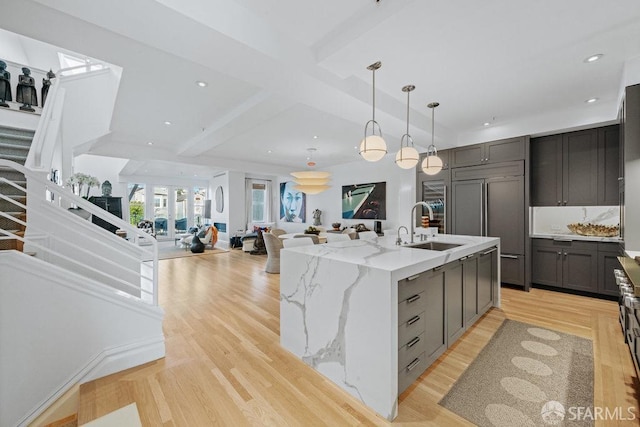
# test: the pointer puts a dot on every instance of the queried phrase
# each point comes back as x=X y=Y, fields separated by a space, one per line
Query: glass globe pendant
x=373 y=147
x=407 y=157
x=432 y=164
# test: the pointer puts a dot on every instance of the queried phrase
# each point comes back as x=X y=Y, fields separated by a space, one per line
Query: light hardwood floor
x=224 y=365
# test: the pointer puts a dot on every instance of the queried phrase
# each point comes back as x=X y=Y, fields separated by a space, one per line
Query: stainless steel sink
x=435 y=246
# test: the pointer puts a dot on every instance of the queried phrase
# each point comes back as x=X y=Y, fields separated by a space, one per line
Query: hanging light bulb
x=373 y=147
x=311 y=181
x=407 y=157
x=432 y=164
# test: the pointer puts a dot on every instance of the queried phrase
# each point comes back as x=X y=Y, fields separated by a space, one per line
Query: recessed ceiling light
x=269 y=151
x=593 y=58
x=168 y=123
x=591 y=100
x=201 y=83
x=149 y=143
x=315 y=136
x=486 y=124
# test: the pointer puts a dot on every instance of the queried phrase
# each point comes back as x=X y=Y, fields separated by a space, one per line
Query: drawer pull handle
x=413 y=364
x=489 y=251
x=413 y=298
x=413 y=320
x=410 y=278
x=413 y=342
x=509 y=256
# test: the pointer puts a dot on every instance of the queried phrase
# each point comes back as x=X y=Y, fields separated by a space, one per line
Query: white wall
x=64 y=329
x=400 y=188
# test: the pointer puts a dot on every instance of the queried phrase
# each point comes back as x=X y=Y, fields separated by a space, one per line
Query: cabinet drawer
x=411 y=328
x=410 y=307
x=410 y=372
x=567 y=243
x=412 y=349
x=488 y=171
x=412 y=285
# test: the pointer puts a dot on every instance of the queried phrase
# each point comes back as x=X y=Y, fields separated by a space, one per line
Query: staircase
x=14 y=146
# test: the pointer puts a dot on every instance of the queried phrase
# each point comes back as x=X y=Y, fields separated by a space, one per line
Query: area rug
x=178 y=252
x=526 y=376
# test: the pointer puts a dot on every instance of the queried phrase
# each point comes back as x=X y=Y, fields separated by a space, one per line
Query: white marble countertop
x=401 y=261
x=575 y=237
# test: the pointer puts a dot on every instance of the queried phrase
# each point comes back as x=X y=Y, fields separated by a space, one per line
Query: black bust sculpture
x=26 y=91
x=45 y=86
x=5 y=85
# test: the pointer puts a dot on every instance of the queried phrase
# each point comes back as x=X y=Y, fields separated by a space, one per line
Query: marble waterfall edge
x=338 y=318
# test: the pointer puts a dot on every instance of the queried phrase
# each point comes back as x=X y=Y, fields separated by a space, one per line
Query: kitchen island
x=372 y=316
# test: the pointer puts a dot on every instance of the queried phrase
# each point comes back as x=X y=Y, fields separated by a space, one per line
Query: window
x=258 y=200
x=136 y=203
x=199 y=196
x=258 y=196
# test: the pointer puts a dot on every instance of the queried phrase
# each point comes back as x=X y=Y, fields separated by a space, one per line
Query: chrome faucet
x=413 y=216
x=399 y=240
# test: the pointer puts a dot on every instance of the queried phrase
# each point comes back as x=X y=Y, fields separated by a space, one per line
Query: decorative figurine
x=45 y=86
x=106 y=189
x=5 y=85
x=26 y=91
x=316 y=217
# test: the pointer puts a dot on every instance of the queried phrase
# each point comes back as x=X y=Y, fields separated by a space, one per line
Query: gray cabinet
x=608 y=254
x=576 y=169
x=487 y=277
x=608 y=165
x=437 y=306
x=565 y=264
x=421 y=324
x=503 y=150
x=454 y=294
x=470 y=289
x=494 y=207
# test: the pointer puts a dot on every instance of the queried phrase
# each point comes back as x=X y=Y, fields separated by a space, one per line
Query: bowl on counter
x=597 y=230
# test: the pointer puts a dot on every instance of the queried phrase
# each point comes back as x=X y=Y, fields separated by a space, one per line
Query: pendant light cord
x=374 y=96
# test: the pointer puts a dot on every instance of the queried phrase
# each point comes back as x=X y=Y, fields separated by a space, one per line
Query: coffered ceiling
x=281 y=72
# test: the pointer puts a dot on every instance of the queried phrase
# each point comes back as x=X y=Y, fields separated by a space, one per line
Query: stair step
x=70 y=421
x=14 y=146
x=14 y=157
x=16 y=135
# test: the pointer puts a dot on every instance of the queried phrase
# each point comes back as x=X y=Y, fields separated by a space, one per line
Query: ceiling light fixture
x=486 y=124
x=373 y=147
x=201 y=83
x=149 y=143
x=168 y=123
x=593 y=58
x=311 y=181
x=407 y=157
x=591 y=100
x=432 y=164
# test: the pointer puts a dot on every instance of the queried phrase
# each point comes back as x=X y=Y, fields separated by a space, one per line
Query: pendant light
x=373 y=147
x=407 y=157
x=432 y=164
x=311 y=181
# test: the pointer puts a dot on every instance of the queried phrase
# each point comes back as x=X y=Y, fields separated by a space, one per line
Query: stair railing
x=60 y=237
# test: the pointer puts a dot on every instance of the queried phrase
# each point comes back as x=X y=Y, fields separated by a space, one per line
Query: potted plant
x=312 y=230
x=81 y=184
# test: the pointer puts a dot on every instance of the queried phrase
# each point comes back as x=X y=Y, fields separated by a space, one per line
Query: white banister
x=125 y=259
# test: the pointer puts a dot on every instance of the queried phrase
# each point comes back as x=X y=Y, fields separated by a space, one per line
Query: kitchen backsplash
x=554 y=220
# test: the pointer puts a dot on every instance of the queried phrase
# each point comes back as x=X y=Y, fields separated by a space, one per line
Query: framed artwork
x=364 y=201
x=293 y=203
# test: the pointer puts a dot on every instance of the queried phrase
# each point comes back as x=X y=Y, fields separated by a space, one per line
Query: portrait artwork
x=292 y=203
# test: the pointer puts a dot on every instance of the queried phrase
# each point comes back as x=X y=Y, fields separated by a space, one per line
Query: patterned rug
x=526 y=376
